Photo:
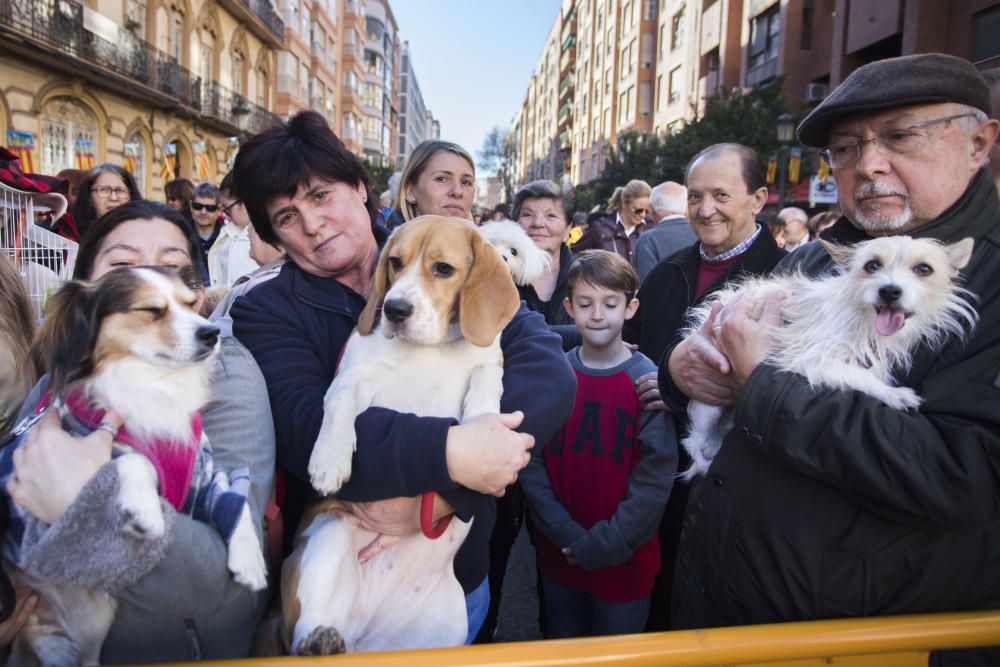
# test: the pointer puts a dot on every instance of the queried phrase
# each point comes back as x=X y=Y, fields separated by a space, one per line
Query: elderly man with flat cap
x=826 y=503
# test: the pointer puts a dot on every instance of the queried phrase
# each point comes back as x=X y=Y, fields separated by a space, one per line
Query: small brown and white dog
x=852 y=330
x=131 y=343
x=526 y=261
x=428 y=343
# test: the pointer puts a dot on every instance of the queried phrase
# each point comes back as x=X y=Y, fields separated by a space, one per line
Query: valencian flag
x=772 y=168
x=231 y=150
x=201 y=159
x=794 y=162
x=84 y=149
x=22 y=145
x=129 y=155
x=824 y=171
x=168 y=168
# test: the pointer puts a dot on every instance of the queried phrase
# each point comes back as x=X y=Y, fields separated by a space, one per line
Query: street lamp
x=786 y=132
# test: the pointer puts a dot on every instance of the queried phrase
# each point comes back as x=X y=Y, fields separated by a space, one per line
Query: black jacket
x=605 y=233
x=668 y=292
x=825 y=503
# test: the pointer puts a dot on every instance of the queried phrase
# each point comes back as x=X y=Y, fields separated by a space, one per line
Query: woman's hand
x=52 y=466
x=392 y=519
x=486 y=454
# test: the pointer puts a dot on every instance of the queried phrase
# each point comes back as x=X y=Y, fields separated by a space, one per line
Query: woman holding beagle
x=303 y=188
x=182 y=604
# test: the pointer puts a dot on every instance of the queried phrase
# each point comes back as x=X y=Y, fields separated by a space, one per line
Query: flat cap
x=925 y=78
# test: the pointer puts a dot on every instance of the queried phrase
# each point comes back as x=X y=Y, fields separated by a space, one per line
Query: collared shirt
x=732 y=252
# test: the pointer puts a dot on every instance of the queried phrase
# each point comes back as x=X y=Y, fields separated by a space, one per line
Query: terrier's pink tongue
x=889 y=321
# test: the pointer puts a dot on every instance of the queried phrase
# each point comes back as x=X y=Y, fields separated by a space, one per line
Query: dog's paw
x=321 y=641
x=246 y=559
x=138 y=500
x=330 y=465
x=903 y=398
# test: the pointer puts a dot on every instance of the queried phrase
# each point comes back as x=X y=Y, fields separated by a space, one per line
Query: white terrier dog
x=850 y=330
x=526 y=261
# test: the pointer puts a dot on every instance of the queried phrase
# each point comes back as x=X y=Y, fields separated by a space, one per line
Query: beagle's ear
x=64 y=345
x=489 y=298
x=376 y=291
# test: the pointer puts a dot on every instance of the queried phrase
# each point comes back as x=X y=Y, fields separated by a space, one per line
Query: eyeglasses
x=106 y=191
x=892 y=141
x=228 y=210
x=639 y=211
x=211 y=208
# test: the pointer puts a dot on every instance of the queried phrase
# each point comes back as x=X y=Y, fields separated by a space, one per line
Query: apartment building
x=380 y=83
x=416 y=123
x=128 y=81
x=651 y=65
x=540 y=114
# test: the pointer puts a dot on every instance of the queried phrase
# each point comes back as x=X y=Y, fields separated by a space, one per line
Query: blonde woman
x=620 y=228
x=439 y=178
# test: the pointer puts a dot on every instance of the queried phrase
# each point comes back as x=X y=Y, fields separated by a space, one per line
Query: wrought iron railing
x=59 y=25
x=268 y=15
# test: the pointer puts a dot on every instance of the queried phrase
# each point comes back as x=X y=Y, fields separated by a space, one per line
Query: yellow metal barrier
x=894 y=640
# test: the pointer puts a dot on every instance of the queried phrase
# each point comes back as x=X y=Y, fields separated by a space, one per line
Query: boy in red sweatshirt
x=597 y=489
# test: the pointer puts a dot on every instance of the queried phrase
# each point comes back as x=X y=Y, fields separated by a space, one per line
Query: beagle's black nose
x=397 y=310
x=890 y=293
x=207 y=335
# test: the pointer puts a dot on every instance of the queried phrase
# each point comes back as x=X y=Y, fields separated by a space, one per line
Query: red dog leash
x=427 y=526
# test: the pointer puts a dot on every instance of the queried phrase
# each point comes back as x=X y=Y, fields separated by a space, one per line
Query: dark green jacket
x=826 y=503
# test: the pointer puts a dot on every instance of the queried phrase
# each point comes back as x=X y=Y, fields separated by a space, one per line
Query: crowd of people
x=823 y=503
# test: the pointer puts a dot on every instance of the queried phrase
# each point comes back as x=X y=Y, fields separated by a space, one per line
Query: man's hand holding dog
x=43 y=483
x=700 y=370
x=743 y=337
x=486 y=453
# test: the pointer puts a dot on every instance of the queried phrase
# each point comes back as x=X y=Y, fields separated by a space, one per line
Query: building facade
x=651 y=64
x=133 y=81
x=416 y=122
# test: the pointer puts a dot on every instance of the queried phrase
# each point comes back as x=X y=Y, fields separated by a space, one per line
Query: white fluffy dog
x=526 y=261
x=850 y=330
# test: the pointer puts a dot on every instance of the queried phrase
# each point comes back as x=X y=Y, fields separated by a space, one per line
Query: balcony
x=55 y=28
x=565 y=140
x=565 y=112
x=262 y=19
x=566 y=86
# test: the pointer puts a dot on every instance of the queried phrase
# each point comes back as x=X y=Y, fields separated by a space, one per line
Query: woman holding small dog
x=297 y=324
x=178 y=602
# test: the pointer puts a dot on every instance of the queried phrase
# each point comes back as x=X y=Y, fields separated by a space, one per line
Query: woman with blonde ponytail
x=625 y=222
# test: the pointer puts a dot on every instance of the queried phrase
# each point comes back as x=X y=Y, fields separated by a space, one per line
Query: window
x=986 y=27
x=764 y=31
x=807 y=25
x=659 y=91
x=675 y=84
x=677 y=29
x=67 y=127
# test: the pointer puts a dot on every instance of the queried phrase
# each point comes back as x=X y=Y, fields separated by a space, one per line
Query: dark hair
x=91 y=243
x=206 y=190
x=602 y=268
x=753 y=172
x=182 y=189
x=228 y=186
x=83 y=211
x=284 y=157
x=545 y=190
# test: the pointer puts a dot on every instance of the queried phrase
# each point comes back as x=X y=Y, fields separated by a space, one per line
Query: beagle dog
x=428 y=342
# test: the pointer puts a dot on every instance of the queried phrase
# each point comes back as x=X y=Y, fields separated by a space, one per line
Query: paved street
x=519 y=604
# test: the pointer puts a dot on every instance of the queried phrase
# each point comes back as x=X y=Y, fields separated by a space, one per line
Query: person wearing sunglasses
x=206 y=212
x=105 y=187
x=619 y=230
x=229 y=257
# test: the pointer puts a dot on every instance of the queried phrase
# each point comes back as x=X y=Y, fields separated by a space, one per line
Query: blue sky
x=473 y=58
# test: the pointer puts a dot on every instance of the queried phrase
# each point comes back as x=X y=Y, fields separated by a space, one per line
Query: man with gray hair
x=796 y=232
x=826 y=503
x=673 y=232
